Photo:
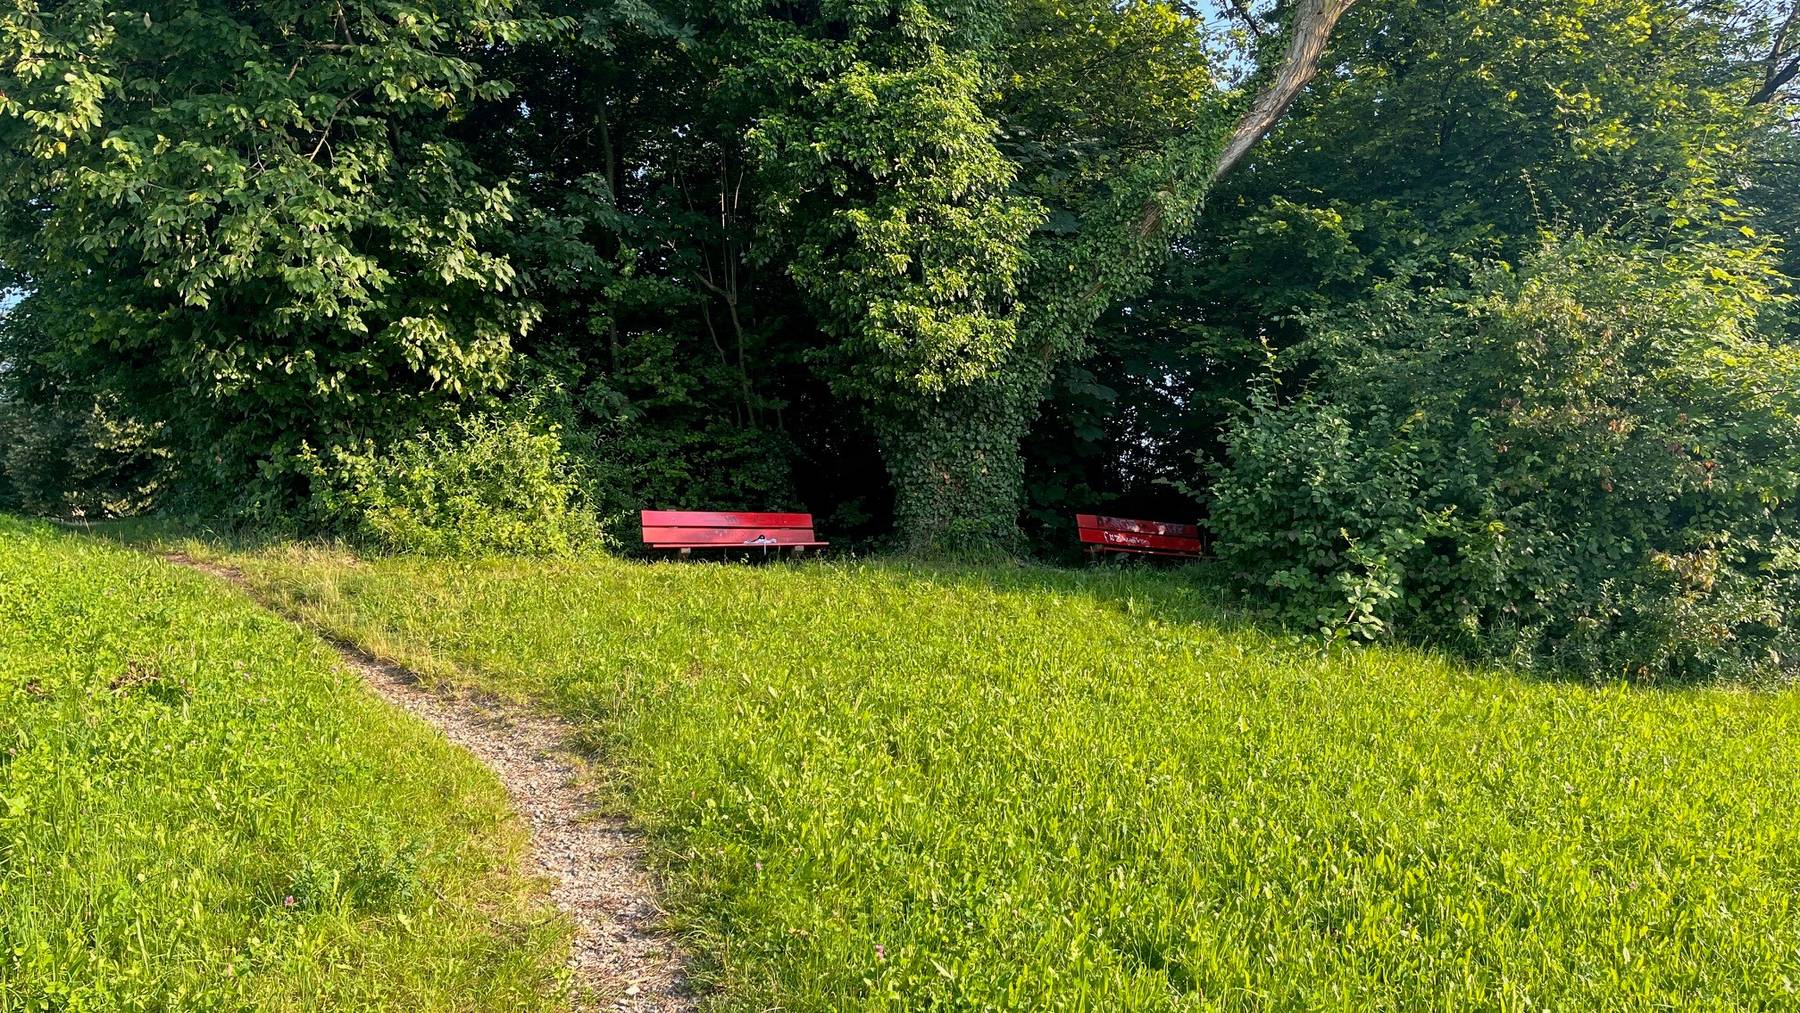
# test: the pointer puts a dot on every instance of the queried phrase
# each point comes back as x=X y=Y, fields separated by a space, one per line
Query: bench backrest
x=692 y=527
x=1126 y=535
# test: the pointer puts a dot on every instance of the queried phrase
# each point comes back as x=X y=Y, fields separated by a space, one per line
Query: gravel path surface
x=620 y=952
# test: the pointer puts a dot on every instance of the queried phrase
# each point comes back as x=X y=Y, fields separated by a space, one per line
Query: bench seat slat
x=1133 y=540
x=727 y=536
x=1130 y=550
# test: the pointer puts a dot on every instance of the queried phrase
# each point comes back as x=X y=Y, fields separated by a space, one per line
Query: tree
x=254 y=223
x=957 y=224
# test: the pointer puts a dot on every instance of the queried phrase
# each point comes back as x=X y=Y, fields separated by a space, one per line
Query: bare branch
x=1777 y=81
x=1242 y=10
x=1784 y=47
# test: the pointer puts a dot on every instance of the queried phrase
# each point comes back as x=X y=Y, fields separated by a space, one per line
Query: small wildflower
x=288 y=901
x=759 y=867
x=880 y=952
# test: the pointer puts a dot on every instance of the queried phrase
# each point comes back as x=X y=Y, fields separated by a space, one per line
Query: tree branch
x=1309 y=30
x=1242 y=10
x=1777 y=81
x=1777 y=76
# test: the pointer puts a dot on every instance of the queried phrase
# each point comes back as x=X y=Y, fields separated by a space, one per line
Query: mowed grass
x=885 y=786
x=200 y=811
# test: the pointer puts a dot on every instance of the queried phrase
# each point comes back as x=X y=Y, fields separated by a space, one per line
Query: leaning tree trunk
x=1309 y=28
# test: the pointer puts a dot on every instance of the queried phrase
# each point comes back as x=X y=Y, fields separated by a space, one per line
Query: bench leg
x=799 y=550
x=685 y=553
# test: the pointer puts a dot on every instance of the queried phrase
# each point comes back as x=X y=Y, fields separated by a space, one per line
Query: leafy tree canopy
x=255 y=220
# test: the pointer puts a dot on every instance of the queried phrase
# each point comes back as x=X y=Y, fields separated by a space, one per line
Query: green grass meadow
x=200 y=811
x=887 y=786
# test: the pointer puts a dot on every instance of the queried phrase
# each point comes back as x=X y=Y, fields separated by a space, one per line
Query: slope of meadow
x=200 y=810
x=880 y=785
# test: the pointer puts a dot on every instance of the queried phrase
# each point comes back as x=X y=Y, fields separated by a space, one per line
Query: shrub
x=1589 y=463
x=1325 y=517
x=491 y=484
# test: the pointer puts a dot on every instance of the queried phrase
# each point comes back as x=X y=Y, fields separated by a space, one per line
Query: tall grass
x=200 y=811
x=885 y=786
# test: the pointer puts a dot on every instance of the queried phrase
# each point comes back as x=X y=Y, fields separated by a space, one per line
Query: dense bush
x=886 y=261
x=68 y=447
x=493 y=484
x=1590 y=462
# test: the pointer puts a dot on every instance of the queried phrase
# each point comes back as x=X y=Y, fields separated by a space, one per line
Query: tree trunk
x=1309 y=29
x=956 y=467
x=1782 y=65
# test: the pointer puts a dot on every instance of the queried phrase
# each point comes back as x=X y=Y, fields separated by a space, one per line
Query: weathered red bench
x=687 y=530
x=1147 y=538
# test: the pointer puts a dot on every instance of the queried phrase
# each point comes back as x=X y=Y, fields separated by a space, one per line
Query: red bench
x=1146 y=538
x=687 y=530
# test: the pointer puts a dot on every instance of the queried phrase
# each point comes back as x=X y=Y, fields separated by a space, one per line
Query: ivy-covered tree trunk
x=957 y=189
x=955 y=464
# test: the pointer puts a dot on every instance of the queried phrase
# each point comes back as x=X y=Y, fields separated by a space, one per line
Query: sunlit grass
x=878 y=785
x=200 y=811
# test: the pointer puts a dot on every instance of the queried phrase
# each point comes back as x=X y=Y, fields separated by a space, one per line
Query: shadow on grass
x=1152 y=591
x=161 y=534
x=1149 y=592
x=1200 y=595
